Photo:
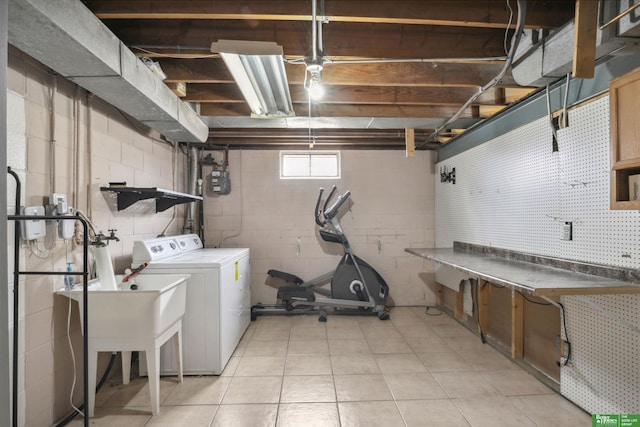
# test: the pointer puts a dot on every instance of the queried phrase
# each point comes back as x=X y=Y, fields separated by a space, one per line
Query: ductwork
x=544 y=58
x=65 y=36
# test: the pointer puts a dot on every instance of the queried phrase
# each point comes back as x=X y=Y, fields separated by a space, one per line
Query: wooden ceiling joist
x=343 y=110
x=341 y=39
x=229 y=92
x=395 y=59
x=411 y=74
x=461 y=13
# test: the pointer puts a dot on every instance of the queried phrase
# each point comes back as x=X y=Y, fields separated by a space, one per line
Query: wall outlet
x=567 y=231
x=33 y=229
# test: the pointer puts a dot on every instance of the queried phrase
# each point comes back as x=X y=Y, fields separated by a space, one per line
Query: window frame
x=310 y=153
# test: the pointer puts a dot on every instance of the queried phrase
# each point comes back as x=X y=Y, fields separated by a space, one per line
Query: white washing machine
x=218 y=306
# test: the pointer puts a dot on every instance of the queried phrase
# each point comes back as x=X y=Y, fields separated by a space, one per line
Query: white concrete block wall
x=110 y=149
x=391 y=209
x=392 y=204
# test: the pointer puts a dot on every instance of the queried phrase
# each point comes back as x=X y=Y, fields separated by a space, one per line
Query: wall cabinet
x=624 y=98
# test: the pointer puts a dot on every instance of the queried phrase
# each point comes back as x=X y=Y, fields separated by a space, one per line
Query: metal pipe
x=52 y=135
x=565 y=119
x=322 y=17
x=193 y=182
x=489 y=59
x=401 y=60
x=620 y=16
x=16 y=296
x=314 y=31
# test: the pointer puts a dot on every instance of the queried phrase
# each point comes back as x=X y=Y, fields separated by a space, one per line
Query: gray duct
x=543 y=58
x=65 y=36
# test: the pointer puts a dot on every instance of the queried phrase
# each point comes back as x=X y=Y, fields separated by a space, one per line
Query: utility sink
x=141 y=317
x=156 y=304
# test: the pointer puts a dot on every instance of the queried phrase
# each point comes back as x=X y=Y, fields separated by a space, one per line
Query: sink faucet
x=102 y=240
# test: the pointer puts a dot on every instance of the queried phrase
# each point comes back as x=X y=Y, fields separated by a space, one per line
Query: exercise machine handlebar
x=333 y=210
x=321 y=220
x=318 y=212
x=328 y=212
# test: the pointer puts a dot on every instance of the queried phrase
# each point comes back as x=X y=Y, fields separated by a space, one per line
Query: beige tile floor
x=415 y=370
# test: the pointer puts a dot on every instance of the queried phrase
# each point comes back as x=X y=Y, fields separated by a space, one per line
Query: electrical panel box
x=33 y=229
x=220 y=183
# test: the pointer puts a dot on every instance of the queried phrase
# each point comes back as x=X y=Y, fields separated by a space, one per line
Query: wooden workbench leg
x=439 y=295
x=517 y=325
x=484 y=289
x=459 y=303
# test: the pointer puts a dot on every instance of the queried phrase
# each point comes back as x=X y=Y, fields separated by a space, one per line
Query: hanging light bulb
x=315 y=88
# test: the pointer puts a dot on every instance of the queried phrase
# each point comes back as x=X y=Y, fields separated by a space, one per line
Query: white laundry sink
x=140 y=319
x=148 y=311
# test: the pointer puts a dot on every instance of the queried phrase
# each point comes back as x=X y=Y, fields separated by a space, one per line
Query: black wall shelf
x=165 y=199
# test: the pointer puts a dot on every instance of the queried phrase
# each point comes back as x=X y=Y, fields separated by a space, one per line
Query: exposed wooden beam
x=340 y=39
x=489 y=110
x=179 y=88
x=413 y=74
x=462 y=13
x=343 y=110
x=512 y=94
x=410 y=142
x=229 y=92
x=335 y=144
x=584 y=44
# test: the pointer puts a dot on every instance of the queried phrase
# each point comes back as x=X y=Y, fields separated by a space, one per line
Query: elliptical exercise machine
x=355 y=288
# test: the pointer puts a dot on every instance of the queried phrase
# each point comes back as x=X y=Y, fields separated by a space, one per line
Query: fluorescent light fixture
x=258 y=69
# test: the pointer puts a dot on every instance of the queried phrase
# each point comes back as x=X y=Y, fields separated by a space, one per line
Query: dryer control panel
x=189 y=242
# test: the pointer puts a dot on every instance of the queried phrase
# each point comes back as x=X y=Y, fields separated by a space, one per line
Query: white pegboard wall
x=503 y=197
x=607 y=352
x=513 y=192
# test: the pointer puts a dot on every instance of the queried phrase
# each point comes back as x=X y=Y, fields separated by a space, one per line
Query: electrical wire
x=174 y=160
x=36 y=251
x=554 y=144
x=220 y=245
x=474 y=308
x=432 y=307
x=506 y=49
x=142 y=131
x=566 y=336
x=88 y=158
x=169 y=55
x=565 y=113
x=532 y=301
x=98 y=387
x=52 y=133
x=73 y=357
x=562 y=312
x=515 y=41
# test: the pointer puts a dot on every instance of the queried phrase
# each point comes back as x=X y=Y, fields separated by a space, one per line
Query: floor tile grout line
x=454 y=400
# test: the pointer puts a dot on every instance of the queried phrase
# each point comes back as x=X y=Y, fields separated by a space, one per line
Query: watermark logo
x=615 y=420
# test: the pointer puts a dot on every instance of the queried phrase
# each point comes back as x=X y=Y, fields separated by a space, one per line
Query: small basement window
x=309 y=165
